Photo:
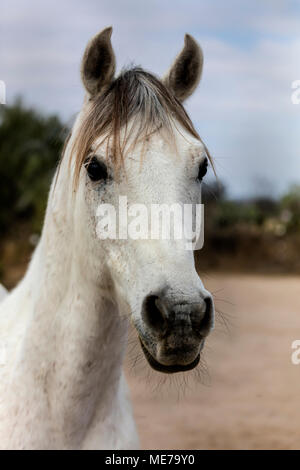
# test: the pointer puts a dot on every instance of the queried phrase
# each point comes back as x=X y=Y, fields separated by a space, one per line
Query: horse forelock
x=135 y=105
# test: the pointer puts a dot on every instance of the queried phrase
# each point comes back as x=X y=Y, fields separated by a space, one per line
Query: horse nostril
x=206 y=321
x=155 y=313
x=163 y=318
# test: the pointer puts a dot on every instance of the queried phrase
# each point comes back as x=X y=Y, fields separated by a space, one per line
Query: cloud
x=242 y=108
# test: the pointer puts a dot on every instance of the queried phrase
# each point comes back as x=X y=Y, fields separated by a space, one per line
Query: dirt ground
x=250 y=398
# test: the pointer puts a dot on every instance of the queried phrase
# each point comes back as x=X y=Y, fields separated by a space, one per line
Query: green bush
x=30 y=146
x=290 y=204
x=230 y=213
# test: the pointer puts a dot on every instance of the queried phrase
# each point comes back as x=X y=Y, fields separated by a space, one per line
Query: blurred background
x=244 y=113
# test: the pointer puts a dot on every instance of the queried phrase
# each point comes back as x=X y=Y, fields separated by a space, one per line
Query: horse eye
x=202 y=169
x=96 y=170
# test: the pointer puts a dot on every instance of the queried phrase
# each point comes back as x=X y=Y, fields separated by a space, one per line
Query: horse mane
x=135 y=96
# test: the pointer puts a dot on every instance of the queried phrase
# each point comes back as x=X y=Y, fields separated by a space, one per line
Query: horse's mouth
x=171 y=369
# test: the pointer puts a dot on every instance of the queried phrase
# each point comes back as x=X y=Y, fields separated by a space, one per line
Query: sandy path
x=253 y=400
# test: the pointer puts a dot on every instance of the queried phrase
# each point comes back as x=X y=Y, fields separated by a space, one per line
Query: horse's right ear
x=98 y=63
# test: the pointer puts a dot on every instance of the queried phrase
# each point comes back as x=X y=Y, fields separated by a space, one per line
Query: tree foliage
x=30 y=146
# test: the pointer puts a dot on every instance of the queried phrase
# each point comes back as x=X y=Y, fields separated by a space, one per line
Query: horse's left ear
x=185 y=73
x=98 y=63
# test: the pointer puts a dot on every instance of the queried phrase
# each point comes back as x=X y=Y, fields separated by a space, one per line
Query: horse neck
x=74 y=326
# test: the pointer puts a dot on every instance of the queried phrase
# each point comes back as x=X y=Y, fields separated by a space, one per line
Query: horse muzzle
x=174 y=331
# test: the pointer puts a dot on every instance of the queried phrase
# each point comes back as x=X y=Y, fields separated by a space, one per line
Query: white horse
x=63 y=328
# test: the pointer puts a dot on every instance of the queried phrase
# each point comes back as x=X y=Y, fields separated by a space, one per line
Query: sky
x=242 y=108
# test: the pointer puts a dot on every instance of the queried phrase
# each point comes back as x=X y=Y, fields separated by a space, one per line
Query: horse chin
x=168 y=369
